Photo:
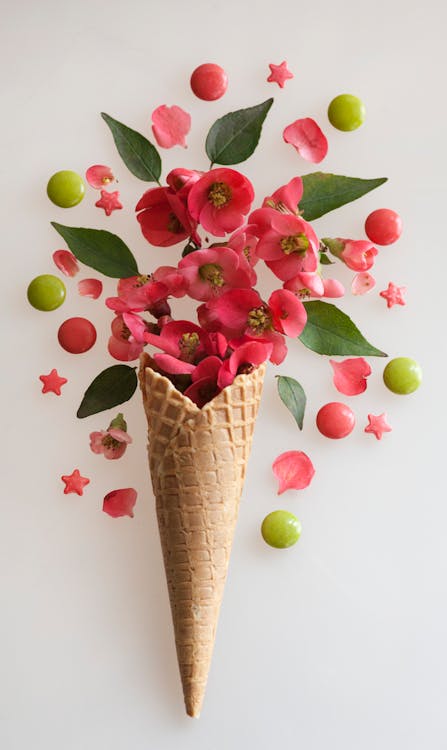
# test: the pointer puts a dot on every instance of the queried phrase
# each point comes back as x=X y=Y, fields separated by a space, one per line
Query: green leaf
x=112 y=386
x=137 y=153
x=292 y=395
x=99 y=249
x=234 y=137
x=325 y=261
x=191 y=247
x=324 y=192
x=330 y=331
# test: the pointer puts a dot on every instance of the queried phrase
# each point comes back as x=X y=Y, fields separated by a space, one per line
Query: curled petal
x=98 y=176
x=119 y=435
x=333 y=288
x=136 y=326
x=289 y=313
x=66 y=262
x=350 y=375
x=207 y=368
x=307 y=138
x=362 y=282
x=172 y=365
x=123 y=351
x=90 y=288
x=120 y=502
x=294 y=471
x=170 y=125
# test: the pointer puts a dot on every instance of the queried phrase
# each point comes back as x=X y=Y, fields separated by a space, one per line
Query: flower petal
x=362 y=282
x=307 y=138
x=170 y=125
x=90 y=288
x=120 y=502
x=350 y=375
x=99 y=175
x=66 y=262
x=294 y=470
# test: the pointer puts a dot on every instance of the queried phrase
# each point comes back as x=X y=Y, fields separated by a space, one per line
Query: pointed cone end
x=193 y=702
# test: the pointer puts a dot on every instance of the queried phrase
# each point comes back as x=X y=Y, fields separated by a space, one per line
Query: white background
x=339 y=642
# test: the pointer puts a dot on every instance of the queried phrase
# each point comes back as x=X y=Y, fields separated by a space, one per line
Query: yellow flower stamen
x=212 y=273
x=294 y=243
x=219 y=194
x=259 y=319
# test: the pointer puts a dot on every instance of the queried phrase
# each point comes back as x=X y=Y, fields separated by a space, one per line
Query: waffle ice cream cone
x=197 y=460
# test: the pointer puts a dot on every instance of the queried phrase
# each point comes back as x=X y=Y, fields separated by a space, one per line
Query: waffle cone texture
x=197 y=460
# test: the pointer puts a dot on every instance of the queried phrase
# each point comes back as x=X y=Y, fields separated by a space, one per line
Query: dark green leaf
x=112 y=386
x=234 y=137
x=325 y=261
x=292 y=395
x=330 y=331
x=325 y=192
x=99 y=249
x=137 y=153
x=191 y=247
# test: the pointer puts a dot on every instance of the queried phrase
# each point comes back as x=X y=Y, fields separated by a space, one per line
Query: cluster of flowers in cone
x=236 y=328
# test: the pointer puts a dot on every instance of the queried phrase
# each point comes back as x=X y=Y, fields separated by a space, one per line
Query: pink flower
x=287 y=197
x=120 y=502
x=112 y=443
x=362 y=283
x=212 y=271
x=98 y=176
x=241 y=314
x=358 y=255
x=120 y=346
x=307 y=138
x=350 y=375
x=170 y=125
x=66 y=262
x=244 y=242
x=220 y=200
x=204 y=385
x=294 y=470
x=247 y=356
x=310 y=284
x=163 y=217
x=172 y=279
x=288 y=244
x=181 y=180
x=138 y=293
x=182 y=341
x=90 y=288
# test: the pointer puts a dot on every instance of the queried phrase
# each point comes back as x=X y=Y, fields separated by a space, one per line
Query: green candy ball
x=346 y=112
x=66 y=188
x=402 y=375
x=46 y=292
x=281 y=529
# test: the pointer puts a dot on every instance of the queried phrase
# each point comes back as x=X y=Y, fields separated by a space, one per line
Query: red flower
x=181 y=340
x=181 y=180
x=248 y=355
x=120 y=346
x=288 y=244
x=359 y=255
x=287 y=197
x=220 y=200
x=204 y=385
x=137 y=293
x=212 y=271
x=163 y=217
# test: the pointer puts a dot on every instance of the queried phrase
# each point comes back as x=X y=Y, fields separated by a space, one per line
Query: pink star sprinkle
x=394 y=295
x=279 y=74
x=109 y=201
x=378 y=425
x=53 y=382
x=74 y=483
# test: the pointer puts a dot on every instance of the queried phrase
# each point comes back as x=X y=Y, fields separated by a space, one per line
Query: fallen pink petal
x=308 y=139
x=90 y=288
x=294 y=471
x=98 y=176
x=362 y=283
x=350 y=375
x=66 y=262
x=170 y=126
x=120 y=502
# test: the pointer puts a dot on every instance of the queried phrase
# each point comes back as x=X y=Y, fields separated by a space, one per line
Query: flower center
x=188 y=344
x=219 y=194
x=142 y=279
x=260 y=319
x=174 y=224
x=110 y=442
x=212 y=273
x=294 y=243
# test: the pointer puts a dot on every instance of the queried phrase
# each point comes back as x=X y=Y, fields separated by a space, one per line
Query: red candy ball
x=76 y=335
x=335 y=420
x=383 y=226
x=209 y=82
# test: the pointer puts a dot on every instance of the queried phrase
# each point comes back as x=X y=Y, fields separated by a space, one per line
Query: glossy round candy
x=402 y=375
x=46 y=292
x=346 y=112
x=335 y=420
x=209 y=82
x=76 y=335
x=66 y=188
x=383 y=226
x=281 y=529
